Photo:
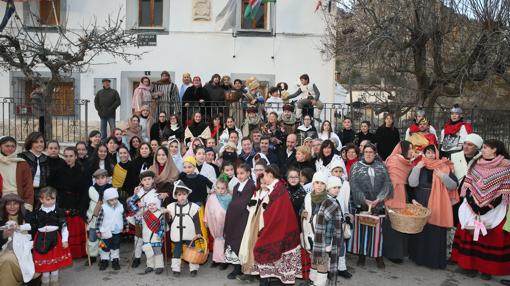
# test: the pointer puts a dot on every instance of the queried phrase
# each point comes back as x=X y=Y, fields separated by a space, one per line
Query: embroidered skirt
x=77 y=241
x=366 y=240
x=286 y=269
x=489 y=255
x=58 y=257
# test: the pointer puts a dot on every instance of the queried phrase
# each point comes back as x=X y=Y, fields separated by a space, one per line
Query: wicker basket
x=366 y=218
x=410 y=224
x=195 y=255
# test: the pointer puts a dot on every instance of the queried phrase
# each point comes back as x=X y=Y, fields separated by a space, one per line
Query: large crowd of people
x=278 y=197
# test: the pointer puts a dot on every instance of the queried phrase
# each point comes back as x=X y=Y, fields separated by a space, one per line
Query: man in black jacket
x=288 y=156
x=107 y=100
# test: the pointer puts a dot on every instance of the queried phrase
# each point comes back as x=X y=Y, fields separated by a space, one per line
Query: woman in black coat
x=195 y=95
x=387 y=137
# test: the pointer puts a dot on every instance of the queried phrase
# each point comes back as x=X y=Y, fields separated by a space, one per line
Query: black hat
x=147 y=173
x=106 y=79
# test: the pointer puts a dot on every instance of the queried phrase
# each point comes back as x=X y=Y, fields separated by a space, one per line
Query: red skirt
x=306 y=264
x=77 y=241
x=57 y=258
x=489 y=255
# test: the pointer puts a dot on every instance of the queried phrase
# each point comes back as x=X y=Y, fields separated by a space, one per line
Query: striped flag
x=252 y=9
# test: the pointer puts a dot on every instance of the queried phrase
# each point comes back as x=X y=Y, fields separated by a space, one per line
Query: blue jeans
x=104 y=121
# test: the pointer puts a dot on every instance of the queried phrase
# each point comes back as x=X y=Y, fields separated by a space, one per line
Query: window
x=150 y=13
x=49 y=12
x=261 y=20
x=63 y=97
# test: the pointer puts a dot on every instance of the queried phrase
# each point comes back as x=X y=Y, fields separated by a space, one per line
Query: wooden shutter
x=63 y=99
x=47 y=15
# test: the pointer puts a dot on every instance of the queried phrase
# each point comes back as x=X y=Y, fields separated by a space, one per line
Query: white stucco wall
x=198 y=48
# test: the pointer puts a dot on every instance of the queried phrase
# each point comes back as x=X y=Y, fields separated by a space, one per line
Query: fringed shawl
x=487 y=180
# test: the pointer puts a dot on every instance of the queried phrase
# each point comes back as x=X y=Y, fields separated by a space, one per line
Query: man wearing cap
x=454 y=132
x=168 y=94
x=107 y=100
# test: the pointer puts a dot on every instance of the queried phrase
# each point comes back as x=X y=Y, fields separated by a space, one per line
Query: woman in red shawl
x=399 y=165
x=482 y=241
x=435 y=187
x=352 y=154
x=270 y=246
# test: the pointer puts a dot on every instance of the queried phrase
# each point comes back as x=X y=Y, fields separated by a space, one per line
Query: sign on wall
x=147 y=40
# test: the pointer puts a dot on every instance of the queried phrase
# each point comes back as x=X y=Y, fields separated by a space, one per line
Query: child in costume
x=328 y=244
x=215 y=211
x=96 y=192
x=311 y=205
x=185 y=225
x=136 y=203
x=110 y=224
x=153 y=232
x=51 y=247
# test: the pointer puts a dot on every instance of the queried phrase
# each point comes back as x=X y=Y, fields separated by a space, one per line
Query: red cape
x=281 y=232
x=454 y=128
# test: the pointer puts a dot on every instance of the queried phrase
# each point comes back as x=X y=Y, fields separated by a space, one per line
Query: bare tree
x=435 y=47
x=62 y=52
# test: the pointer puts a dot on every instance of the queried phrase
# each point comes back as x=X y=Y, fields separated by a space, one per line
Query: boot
x=148 y=270
x=193 y=273
x=223 y=266
x=485 y=276
x=103 y=264
x=264 y=282
x=361 y=260
x=380 y=262
x=135 y=263
x=214 y=264
x=158 y=271
x=237 y=271
x=344 y=274
x=115 y=264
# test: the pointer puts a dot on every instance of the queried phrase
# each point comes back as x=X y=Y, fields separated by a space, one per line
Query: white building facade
x=282 y=45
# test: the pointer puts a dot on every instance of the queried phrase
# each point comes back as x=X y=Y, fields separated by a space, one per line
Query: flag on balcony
x=251 y=12
x=9 y=10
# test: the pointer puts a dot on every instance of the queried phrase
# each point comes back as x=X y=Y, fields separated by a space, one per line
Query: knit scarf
x=288 y=121
x=243 y=156
x=100 y=189
x=487 y=180
x=224 y=200
x=13 y=158
x=318 y=198
x=327 y=159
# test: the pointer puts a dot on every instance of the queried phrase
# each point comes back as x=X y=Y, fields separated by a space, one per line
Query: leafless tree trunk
x=436 y=47
x=62 y=52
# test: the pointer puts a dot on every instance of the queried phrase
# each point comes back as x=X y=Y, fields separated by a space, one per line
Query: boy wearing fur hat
x=110 y=223
x=185 y=225
x=96 y=193
x=329 y=244
x=136 y=203
x=152 y=233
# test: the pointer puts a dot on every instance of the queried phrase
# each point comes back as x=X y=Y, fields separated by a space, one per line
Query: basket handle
x=197 y=238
